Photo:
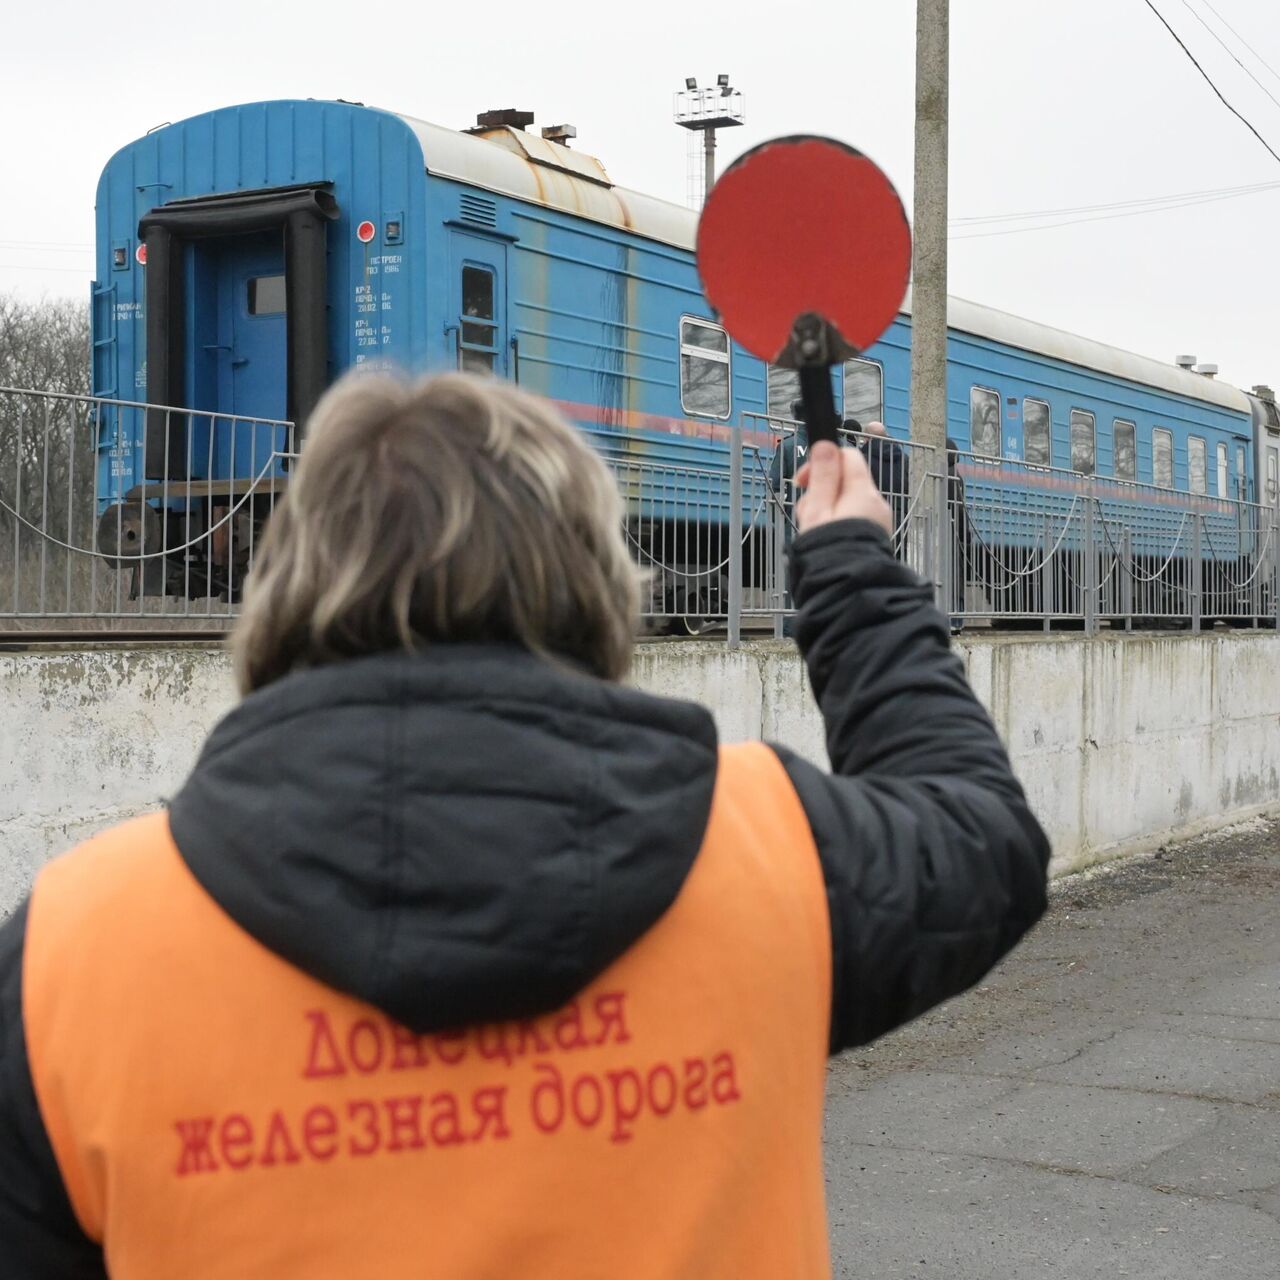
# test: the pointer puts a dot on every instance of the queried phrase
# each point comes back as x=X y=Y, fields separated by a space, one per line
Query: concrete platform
x=1106 y=1104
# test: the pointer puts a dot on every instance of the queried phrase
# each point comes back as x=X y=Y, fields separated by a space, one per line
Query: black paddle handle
x=820 y=416
x=813 y=348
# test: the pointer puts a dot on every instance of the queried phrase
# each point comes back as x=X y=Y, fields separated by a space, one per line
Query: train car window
x=1125 y=447
x=1196 y=465
x=478 y=348
x=1224 y=473
x=1242 y=473
x=477 y=292
x=782 y=390
x=266 y=296
x=984 y=421
x=1162 y=458
x=1037 y=445
x=704 y=369
x=863 y=391
x=1083 y=444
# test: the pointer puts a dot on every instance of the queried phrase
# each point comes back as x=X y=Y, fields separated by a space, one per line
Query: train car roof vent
x=1207 y=370
x=1185 y=362
x=561 y=133
x=504 y=118
x=506 y=129
x=545 y=154
x=1264 y=392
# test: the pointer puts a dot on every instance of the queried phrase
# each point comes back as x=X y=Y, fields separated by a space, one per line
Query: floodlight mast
x=706 y=110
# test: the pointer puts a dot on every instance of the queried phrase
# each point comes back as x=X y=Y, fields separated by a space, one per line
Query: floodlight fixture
x=704 y=111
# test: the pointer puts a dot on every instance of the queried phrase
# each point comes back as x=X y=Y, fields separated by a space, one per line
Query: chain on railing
x=1125 y=552
x=115 y=512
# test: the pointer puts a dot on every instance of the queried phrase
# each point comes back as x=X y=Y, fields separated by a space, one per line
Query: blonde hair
x=452 y=509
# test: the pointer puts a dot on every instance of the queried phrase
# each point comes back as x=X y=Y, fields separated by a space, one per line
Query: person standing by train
x=788 y=457
x=887 y=462
x=961 y=538
x=454 y=954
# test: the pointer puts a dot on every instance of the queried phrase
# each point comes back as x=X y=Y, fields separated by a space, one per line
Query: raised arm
x=933 y=862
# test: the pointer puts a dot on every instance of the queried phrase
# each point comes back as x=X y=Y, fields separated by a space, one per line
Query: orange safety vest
x=216 y=1112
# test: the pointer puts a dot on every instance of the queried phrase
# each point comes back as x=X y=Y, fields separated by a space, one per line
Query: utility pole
x=704 y=111
x=929 y=267
x=929 y=254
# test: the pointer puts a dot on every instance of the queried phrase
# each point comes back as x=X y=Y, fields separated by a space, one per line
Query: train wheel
x=699 y=626
x=696 y=605
x=128 y=529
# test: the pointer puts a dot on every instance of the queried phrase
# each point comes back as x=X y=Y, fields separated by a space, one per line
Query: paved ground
x=1106 y=1104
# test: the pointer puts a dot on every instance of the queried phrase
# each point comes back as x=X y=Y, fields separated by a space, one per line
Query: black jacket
x=788 y=458
x=887 y=462
x=493 y=830
x=891 y=471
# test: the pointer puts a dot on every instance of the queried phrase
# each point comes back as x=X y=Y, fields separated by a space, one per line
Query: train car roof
x=512 y=162
x=1071 y=348
x=515 y=163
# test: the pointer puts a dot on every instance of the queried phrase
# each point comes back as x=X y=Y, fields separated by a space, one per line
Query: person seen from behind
x=891 y=472
x=788 y=456
x=961 y=537
x=454 y=955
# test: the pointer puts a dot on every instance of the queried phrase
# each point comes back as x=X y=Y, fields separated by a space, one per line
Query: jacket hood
x=467 y=834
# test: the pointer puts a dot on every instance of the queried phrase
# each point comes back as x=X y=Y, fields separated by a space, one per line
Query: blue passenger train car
x=249 y=256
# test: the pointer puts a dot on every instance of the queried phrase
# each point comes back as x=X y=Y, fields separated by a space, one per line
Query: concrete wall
x=91 y=736
x=1121 y=742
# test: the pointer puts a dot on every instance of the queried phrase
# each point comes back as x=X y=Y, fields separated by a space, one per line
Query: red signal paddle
x=805 y=252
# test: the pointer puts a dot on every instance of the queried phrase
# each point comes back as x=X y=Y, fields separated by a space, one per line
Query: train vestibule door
x=251 y=302
x=477 y=319
x=248 y=363
x=238 y=353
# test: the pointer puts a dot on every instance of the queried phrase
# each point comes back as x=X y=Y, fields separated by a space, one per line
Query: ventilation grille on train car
x=478 y=209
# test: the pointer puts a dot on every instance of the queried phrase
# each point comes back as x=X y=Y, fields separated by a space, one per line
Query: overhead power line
x=1230 y=53
x=1242 y=40
x=1209 y=81
x=26 y=266
x=1120 y=213
x=48 y=243
x=1152 y=204
x=16 y=246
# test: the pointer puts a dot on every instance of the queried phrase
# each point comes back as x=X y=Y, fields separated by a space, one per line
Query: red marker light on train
x=141 y=254
x=365 y=232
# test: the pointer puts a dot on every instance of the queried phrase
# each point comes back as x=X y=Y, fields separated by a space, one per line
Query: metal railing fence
x=116 y=514
x=120 y=515
x=1042 y=544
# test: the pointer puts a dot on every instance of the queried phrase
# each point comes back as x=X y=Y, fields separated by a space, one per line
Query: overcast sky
x=1054 y=104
